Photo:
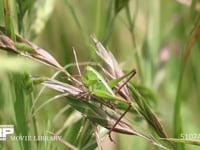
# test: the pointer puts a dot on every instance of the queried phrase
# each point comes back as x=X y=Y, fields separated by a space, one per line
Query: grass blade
x=184 y=141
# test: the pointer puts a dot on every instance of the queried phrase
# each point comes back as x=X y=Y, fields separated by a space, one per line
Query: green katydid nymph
x=102 y=89
x=98 y=86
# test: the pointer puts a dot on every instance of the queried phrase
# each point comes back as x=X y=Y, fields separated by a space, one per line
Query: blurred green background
x=150 y=36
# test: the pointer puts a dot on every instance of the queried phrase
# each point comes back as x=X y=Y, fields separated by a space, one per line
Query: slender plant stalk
x=98 y=17
x=17 y=85
x=8 y=20
x=109 y=30
x=178 y=101
x=108 y=23
x=131 y=29
x=82 y=32
x=20 y=16
x=27 y=79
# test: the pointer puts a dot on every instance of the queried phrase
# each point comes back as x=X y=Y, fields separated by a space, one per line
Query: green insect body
x=98 y=86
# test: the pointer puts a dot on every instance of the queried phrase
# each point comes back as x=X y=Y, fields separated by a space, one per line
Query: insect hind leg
x=130 y=76
x=118 y=120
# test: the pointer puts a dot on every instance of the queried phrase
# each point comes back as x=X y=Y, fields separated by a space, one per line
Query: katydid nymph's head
x=90 y=78
x=94 y=81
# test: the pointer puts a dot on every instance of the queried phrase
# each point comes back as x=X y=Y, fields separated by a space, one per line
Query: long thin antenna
x=76 y=60
x=132 y=73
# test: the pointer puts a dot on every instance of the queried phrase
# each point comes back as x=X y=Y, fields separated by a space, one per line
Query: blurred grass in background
x=150 y=36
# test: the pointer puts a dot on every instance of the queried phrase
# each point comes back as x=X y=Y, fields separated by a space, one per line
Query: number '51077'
x=190 y=136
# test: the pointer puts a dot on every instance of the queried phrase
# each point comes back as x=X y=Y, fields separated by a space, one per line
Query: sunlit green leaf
x=16 y=64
